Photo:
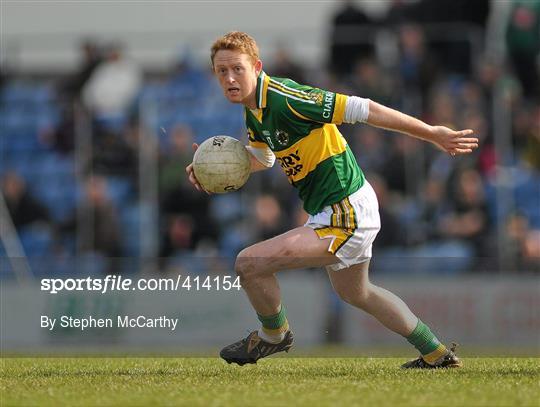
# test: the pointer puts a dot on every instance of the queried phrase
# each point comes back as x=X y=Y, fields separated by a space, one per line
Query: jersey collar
x=262 y=89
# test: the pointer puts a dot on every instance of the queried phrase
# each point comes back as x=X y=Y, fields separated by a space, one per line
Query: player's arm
x=336 y=108
x=191 y=174
x=375 y=114
x=262 y=158
x=444 y=138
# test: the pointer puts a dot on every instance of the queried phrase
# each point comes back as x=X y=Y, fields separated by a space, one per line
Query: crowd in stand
x=432 y=206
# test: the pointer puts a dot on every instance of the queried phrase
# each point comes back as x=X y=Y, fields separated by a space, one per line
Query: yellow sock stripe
x=278 y=86
x=435 y=355
x=277 y=331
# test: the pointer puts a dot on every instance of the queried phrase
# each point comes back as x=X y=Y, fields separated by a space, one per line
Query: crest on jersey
x=282 y=137
x=317 y=96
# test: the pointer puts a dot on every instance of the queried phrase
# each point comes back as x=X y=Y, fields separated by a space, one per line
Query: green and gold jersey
x=298 y=123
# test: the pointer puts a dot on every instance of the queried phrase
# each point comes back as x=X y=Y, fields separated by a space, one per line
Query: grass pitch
x=272 y=382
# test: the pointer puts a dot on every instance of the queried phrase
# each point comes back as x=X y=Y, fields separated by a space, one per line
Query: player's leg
x=256 y=266
x=353 y=286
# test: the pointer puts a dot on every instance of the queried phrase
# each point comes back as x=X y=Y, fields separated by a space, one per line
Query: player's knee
x=355 y=296
x=246 y=266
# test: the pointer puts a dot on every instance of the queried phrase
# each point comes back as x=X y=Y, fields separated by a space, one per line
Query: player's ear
x=258 y=66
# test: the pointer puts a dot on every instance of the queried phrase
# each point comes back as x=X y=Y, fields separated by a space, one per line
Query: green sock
x=427 y=343
x=273 y=324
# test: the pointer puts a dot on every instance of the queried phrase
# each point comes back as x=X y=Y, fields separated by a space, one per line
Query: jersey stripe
x=262 y=83
x=296 y=113
x=289 y=91
x=336 y=212
x=339 y=109
x=352 y=214
x=263 y=75
x=288 y=87
x=344 y=215
x=290 y=96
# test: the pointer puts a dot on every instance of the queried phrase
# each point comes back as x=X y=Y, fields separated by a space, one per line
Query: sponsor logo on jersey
x=328 y=103
x=291 y=164
x=317 y=96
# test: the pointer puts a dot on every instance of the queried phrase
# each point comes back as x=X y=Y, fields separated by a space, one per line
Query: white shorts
x=351 y=225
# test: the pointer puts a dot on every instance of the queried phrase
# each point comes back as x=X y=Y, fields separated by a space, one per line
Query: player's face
x=237 y=75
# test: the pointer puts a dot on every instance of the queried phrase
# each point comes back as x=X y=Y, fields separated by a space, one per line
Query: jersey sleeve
x=255 y=140
x=313 y=104
x=260 y=150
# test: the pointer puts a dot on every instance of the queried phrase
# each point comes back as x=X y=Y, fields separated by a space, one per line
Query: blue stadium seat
x=130 y=223
x=120 y=190
x=36 y=239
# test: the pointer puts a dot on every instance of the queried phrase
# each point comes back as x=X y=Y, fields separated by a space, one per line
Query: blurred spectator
x=99 y=221
x=185 y=211
x=370 y=148
x=531 y=152
x=521 y=248
x=417 y=67
x=485 y=158
x=112 y=87
x=70 y=89
x=179 y=155
x=399 y=12
x=487 y=76
x=62 y=136
x=349 y=23
x=525 y=129
x=468 y=219
x=443 y=107
x=269 y=219
x=113 y=154
x=23 y=208
x=453 y=51
x=178 y=236
x=406 y=165
x=284 y=66
x=186 y=75
x=523 y=41
x=390 y=234
x=433 y=203
x=369 y=81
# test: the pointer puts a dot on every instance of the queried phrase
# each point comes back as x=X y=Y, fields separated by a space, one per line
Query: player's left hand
x=191 y=174
x=453 y=142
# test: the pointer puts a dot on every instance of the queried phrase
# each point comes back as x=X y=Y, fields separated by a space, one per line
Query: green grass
x=272 y=382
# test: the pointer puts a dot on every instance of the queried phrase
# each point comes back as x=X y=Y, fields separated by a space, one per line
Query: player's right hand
x=191 y=174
